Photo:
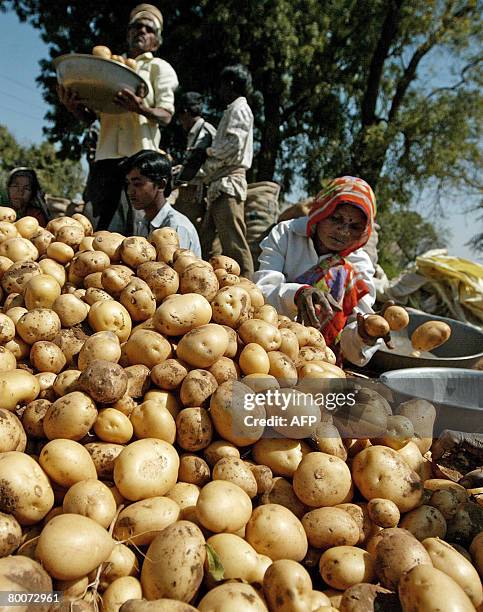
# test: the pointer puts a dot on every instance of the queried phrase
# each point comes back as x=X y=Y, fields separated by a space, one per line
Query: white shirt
x=196 y=133
x=287 y=253
x=124 y=134
x=169 y=217
x=232 y=149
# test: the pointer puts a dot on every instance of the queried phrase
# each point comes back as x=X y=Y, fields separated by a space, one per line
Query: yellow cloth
x=458 y=281
x=124 y=134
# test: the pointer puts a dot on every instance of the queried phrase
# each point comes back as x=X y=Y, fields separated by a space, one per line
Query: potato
x=228 y=409
x=276 y=532
x=197 y=387
x=60 y=252
x=238 y=558
x=232 y=597
x=446 y=558
x=328 y=527
x=376 y=326
x=33 y=416
x=203 y=346
x=19 y=349
x=121 y=562
x=194 y=430
x=26 y=491
x=322 y=480
x=41 y=292
x=466 y=524
x=103 y=381
x=224 y=369
x=70 y=309
x=18 y=249
x=90 y=498
x=160 y=278
x=8 y=230
x=261 y=332
x=136 y=250
x=446 y=501
x=179 y=314
x=71 y=532
x=105 y=344
x=38 y=324
x=174 y=563
x=281 y=455
x=199 y=278
x=303 y=334
x=103 y=455
x=235 y=471
x=7 y=214
x=119 y=591
x=41 y=240
x=17 y=387
x=146 y=468
x=165 y=399
x=226 y=263
x=109 y=315
x=430 y=335
x=93 y=295
x=397 y=551
x=282 y=367
x=142 y=521
x=169 y=375
x=219 y=449
x=287 y=587
x=185 y=495
x=8 y=360
x=138 y=300
x=88 y=262
x=183 y=258
x=399 y=431
x=162 y=236
x=424 y=522
x=365 y=597
x=71 y=417
x=379 y=471
x=231 y=306
x=289 y=343
x=412 y=456
x=113 y=426
x=71 y=235
x=422 y=414
x=254 y=359
x=66 y=462
x=223 y=507
x=256 y=296
x=108 y=243
x=328 y=440
x=150 y=420
x=281 y=493
x=22 y=574
x=47 y=357
x=344 y=566
x=10 y=534
x=7 y=329
x=426 y=588
x=17 y=275
x=383 y=512
x=397 y=317
x=476 y=551
x=225 y=279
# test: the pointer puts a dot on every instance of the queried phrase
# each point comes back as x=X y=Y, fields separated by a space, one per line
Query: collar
x=143 y=56
x=160 y=218
x=237 y=101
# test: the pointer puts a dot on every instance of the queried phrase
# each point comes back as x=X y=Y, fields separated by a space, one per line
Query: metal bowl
x=463 y=349
x=456 y=393
x=97 y=80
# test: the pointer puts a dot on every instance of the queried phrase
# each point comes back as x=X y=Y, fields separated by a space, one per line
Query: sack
x=261 y=212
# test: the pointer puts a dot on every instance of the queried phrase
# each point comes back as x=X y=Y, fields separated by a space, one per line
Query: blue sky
x=22 y=110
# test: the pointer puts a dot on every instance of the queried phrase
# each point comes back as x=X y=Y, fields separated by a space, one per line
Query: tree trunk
x=270 y=140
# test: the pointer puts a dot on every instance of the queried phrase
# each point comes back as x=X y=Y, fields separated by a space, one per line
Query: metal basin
x=463 y=349
x=456 y=393
x=97 y=80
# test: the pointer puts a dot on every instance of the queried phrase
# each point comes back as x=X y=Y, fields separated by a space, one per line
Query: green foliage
x=56 y=176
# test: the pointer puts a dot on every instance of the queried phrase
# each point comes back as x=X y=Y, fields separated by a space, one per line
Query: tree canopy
x=341 y=86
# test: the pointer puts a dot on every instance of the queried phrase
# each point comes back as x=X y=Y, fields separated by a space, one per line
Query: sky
x=22 y=109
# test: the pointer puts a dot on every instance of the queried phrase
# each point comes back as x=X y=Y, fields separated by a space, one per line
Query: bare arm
x=135 y=104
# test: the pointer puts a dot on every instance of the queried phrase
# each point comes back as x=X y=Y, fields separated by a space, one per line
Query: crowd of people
x=312 y=267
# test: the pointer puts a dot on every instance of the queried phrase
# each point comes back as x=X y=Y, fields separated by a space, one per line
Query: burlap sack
x=261 y=212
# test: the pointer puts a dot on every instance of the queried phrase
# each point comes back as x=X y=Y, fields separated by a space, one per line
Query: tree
x=56 y=176
x=341 y=86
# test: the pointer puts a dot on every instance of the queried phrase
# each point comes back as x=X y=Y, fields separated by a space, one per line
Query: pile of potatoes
x=129 y=481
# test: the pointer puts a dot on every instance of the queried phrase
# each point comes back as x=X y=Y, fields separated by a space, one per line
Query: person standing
x=228 y=159
x=138 y=127
x=189 y=174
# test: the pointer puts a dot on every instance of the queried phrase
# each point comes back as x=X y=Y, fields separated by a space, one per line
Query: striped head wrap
x=344 y=190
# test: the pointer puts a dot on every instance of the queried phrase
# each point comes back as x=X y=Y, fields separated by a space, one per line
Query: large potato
x=25 y=489
x=103 y=344
x=383 y=512
x=236 y=471
x=178 y=314
x=322 y=480
x=108 y=315
x=379 y=471
x=67 y=462
x=70 y=309
x=41 y=292
x=71 y=416
x=366 y=597
x=146 y=468
x=173 y=566
x=261 y=332
x=232 y=597
x=281 y=455
x=113 y=426
x=17 y=387
x=424 y=522
x=223 y=507
x=119 y=591
x=160 y=278
x=77 y=538
x=38 y=324
x=47 y=357
x=169 y=375
x=328 y=527
x=197 y=386
x=136 y=250
x=194 y=430
x=276 y=532
x=18 y=249
x=231 y=306
x=90 y=498
x=344 y=566
x=254 y=359
x=142 y=521
x=87 y=262
x=238 y=558
x=150 y=420
x=427 y=588
x=108 y=243
x=138 y=300
x=17 y=275
x=203 y=346
x=430 y=335
x=103 y=381
x=199 y=278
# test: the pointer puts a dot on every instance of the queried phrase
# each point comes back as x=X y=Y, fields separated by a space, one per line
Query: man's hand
x=70 y=99
x=130 y=101
x=314 y=305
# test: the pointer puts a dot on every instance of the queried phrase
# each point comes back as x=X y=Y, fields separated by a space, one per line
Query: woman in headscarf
x=25 y=195
x=314 y=268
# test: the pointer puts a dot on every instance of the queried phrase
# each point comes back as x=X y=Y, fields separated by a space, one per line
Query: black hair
x=151 y=164
x=239 y=79
x=190 y=102
x=34 y=181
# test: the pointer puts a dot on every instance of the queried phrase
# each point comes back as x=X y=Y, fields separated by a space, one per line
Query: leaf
x=215 y=567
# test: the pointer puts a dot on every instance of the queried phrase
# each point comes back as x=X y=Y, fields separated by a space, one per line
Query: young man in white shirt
x=148 y=184
x=122 y=135
x=229 y=157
